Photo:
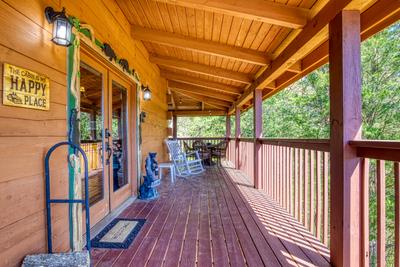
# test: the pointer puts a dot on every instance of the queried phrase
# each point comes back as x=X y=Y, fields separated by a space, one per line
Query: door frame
x=123 y=193
x=102 y=207
x=88 y=53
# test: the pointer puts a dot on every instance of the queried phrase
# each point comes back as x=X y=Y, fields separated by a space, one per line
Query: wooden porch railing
x=190 y=140
x=93 y=153
x=379 y=161
x=295 y=173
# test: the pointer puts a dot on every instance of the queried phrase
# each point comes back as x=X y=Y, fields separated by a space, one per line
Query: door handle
x=109 y=153
x=107 y=133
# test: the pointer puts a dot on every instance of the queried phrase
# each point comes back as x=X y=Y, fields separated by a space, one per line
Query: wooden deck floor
x=214 y=219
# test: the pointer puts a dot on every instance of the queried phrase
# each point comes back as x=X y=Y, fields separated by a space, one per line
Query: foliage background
x=302 y=110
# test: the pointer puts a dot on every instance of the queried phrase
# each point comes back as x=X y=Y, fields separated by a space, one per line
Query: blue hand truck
x=49 y=200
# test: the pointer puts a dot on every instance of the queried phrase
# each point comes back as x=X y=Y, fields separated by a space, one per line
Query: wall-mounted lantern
x=146 y=93
x=62 y=28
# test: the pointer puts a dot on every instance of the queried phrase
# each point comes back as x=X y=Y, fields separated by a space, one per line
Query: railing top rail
x=312 y=144
x=90 y=141
x=246 y=139
x=377 y=149
x=388 y=144
x=200 y=138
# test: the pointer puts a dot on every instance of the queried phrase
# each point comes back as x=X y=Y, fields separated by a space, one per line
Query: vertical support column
x=237 y=136
x=257 y=135
x=345 y=112
x=174 y=127
x=228 y=127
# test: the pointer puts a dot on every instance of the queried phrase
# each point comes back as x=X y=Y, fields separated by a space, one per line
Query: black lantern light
x=146 y=93
x=62 y=28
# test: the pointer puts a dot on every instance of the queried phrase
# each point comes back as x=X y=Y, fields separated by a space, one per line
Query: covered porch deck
x=216 y=218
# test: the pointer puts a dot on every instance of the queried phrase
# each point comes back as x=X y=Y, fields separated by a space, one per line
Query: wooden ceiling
x=214 y=53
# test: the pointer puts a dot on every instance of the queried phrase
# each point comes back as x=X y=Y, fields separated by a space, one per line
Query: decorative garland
x=88 y=31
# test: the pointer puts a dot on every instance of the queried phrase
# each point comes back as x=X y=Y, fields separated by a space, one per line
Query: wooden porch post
x=237 y=136
x=345 y=112
x=257 y=134
x=228 y=126
x=174 y=127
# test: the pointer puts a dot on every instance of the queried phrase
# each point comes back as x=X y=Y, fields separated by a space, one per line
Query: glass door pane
x=91 y=129
x=119 y=136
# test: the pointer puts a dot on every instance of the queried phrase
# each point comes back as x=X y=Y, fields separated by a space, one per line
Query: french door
x=106 y=135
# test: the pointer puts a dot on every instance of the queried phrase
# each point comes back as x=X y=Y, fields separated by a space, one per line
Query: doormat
x=120 y=233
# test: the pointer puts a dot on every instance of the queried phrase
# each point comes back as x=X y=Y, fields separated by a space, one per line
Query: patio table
x=211 y=148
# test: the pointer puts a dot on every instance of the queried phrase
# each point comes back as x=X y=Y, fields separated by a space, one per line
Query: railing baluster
x=272 y=172
x=290 y=180
x=277 y=172
x=397 y=213
x=380 y=176
x=364 y=212
x=267 y=170
x=296 y=182
x=269 y=185
x=312 y=192
x=326 y=198
x=280 y=163
x=274 y=176
x=305 y=188
x=318 y=198
x=301 y=184
x=287 y=180
x=280 y=173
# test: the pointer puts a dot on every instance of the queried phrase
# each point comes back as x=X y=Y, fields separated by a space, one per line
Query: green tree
x=207 y=126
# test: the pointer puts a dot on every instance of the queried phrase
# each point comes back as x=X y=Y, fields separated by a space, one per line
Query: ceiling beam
x=195 y=107
x=201 y=69
x=259 y=10
x=199 y=91
x=198 y=45
x=200 y=82
x=209 y=101
x=194 y=113
x=312 y=35
x=296 y=67
x=172 y=99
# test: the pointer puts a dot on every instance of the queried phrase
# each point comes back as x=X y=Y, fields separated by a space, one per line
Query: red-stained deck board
x=172 y=257
x=109 y=256
x=150 y=214
x=298 y=241
x=151 y=238
x=159 y=251
x=249 y=249
x=235 y=252
x=264 y=242
x=219 y=250
x=206 y=220
x=189 y=249
x=204 y=255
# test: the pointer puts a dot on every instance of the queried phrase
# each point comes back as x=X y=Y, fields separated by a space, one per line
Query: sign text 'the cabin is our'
x=25 y=88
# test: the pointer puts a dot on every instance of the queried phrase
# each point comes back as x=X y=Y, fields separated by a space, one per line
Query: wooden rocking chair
x=184 y=167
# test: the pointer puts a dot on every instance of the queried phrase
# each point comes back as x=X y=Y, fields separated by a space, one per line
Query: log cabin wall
x=26 y=134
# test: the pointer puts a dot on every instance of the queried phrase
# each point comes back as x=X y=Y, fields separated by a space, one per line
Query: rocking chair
x=184 y=167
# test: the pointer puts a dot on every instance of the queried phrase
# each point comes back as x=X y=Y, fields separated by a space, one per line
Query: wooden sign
x=25 y=88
